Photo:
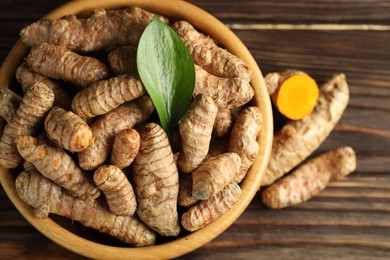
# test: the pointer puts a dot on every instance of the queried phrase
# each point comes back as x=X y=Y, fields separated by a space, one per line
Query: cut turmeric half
x=296 y=96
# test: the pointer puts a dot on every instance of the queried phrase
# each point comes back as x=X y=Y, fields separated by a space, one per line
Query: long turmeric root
x=67 y=130
x=310 y=178
x=57 y=62
x=28 y=118
x=214 y=174
x=156 y=181
x=103 y=30
x=298 y=139
x=215 y=60
x=27 y=78
x=196 y=128
x=207 y=211
x=9 y=103
x=57 y=165
x=106 y=95
x=47 y=197
x=106 y=127
x=123 y=60
x=243 y=139
x=116 y=187
x=226 y=92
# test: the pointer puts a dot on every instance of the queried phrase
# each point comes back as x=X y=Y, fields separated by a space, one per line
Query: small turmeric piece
x=106 y=95
x=214 y=174
x=116 y=187
x=106 y=127
x=9 y=103
x=310 y=178
x=28 y=118
x=125 y=148
x=156 y=181
x=47 y=197
x=223 y=122
x=298 y=139
x=209 y=210
x=57 y=165
x=196 y=128
x=102 y=30
x=212 y=58
x=27 y=78
x=243 y=139
x=57 y=62
x=67 y=130
x=294 y=93
x=123 y=60
x=185 y=198
x=226 y=92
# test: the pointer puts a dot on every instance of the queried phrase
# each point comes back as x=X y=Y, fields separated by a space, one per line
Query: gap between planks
x=317 y=27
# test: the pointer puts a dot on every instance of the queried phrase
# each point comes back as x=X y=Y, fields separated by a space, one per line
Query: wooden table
x=350 y=219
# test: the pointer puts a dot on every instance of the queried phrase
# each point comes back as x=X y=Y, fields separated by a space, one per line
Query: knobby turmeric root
x=243 y=139
x=67 y=130
x=47 y=197
x=103 y=30
x=294 y=93
x=226 y=92
x=214 y=174
x=57 y=62
x=106 y=95
x=123 y=60
x=310 y=178
x=215 y=60
x=9 y=103
x=196 y=128
x=116 y=187
x=27 y=78
x=207 y=211
x=106 y=127
x=56 y=165
x=156 y=181
x=28 y=118
x=125 y=148
x=298 y=139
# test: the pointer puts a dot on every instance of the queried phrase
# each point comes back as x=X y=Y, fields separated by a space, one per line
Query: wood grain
x=348 y=220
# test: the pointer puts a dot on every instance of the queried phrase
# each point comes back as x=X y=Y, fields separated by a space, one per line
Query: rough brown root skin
x=47 y=197
x=298 y=139
x=27 y=120
x=27 y=78
x=123 y=60
x=125 y=148
x=205 y=52
x=185 y=198
x=9 y=103
x=196 y=128
x=310 y=178
x=116 y=187
x=207 y=211
x=103 y=30
x=223 y=122
x=106 y=127
x=214 y=174
x=156 y=181
x=243 y=139
x=56 y=165
x=226 y=92
x=67 y=130
x=57 y=62
x=106 y=95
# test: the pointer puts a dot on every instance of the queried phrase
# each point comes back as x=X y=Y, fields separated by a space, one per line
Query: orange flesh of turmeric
x=296 y=97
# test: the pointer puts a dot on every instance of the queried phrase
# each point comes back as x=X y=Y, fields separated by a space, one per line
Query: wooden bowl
x=92 y=244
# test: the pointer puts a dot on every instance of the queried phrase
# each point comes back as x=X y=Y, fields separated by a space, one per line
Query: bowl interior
x=92 y=244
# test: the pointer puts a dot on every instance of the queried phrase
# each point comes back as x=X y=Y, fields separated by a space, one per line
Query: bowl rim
x=178 y=10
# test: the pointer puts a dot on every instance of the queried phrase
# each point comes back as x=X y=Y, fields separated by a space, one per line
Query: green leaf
x=167 y=71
